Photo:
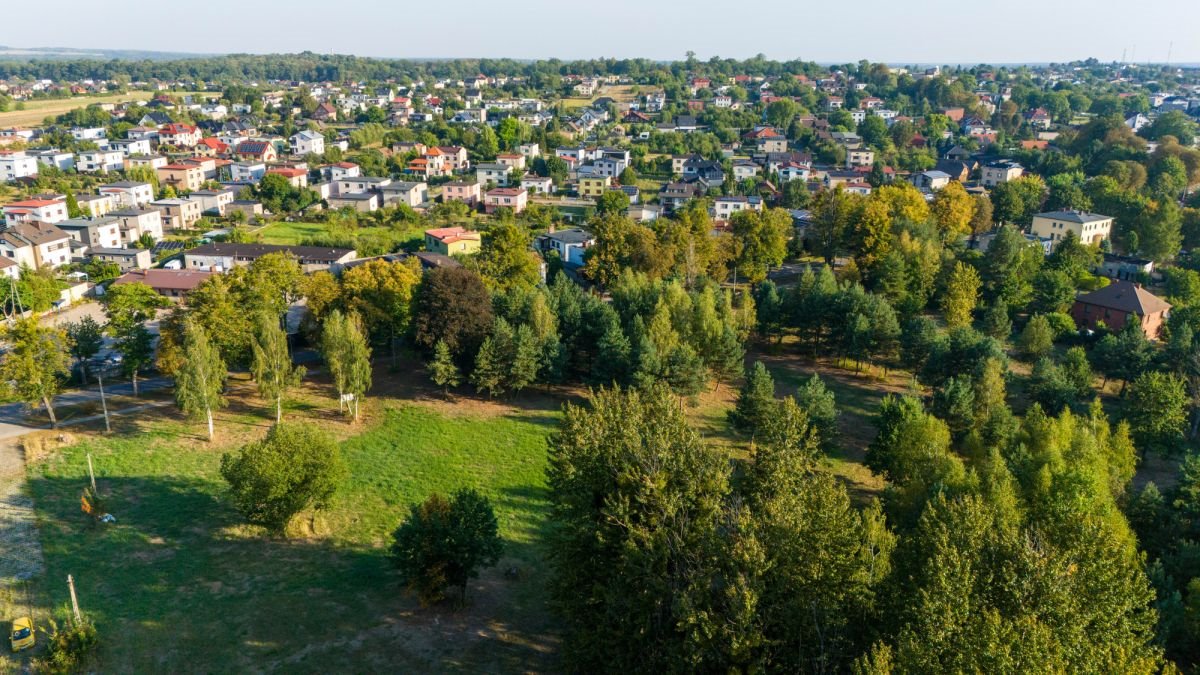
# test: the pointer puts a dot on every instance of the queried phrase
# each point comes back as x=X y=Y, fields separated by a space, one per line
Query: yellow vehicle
x=22 y=634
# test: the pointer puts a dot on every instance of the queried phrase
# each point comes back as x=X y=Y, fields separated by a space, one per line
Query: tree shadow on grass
x=178 y=584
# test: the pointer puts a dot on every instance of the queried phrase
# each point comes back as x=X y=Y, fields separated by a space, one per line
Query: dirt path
x=20 y=549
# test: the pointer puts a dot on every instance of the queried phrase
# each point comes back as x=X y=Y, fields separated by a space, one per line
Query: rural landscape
x=323 y=363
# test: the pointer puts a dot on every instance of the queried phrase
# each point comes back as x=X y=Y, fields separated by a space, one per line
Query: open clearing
x=39 y=109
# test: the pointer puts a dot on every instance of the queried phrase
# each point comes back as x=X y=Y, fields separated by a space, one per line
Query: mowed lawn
x=179 y=584
x=295 y=233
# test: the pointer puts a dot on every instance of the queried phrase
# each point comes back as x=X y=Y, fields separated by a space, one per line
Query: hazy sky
x=897 y=31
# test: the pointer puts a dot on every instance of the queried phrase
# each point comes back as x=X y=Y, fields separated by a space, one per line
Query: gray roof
x=572 y=236
x=1073 y=216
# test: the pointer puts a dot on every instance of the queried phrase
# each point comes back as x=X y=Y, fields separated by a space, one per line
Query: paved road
x=14 y=417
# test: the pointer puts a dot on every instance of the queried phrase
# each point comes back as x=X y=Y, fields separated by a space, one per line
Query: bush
x=294 y=468
x=443 y=543
x=68 y=649
x=1061 y=324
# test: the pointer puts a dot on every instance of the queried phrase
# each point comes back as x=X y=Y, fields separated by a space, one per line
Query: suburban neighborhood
x=323 y=363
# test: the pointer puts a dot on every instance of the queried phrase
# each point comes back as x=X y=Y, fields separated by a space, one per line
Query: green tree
x=381 y=293
x=1158 y=407
x=442 y=369
x=444 y=543
x=818 y=403
x=294 y=468
x=452 y=304
x=762 y=237
x=86 y=337
x=348 y=356
x=995 y=320
x=200 y=379
x=1037 y=337
x=504 y=259
x=272 y=365
x=612 y=203
x=129 y=307
x=34 y=366
x=756 y=401
x=962 y=294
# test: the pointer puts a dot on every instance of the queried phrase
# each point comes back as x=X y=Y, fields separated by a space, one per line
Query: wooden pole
x=91 y=473
x=104 y=404
x=74 y=600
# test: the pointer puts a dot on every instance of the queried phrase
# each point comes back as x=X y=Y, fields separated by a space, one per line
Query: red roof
x=33 y=203
x=290 y=173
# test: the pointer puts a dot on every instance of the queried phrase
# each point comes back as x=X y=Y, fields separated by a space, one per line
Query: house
x=166 y=282
x=256 y=151
x=706 y=170
x=152 y=161
x=505 y=197
x=178 y=214
x=594 y=186
x=14 y=165
x=125 y=258
x=1089 y=228
x=297 y=178
x=211 y=147
x=179 y=135
x=132 y=146
x=673 y=196
x=462 y=192
x=1038 y=118
x=570 y=245
x=538 y=185
x=88 y=133
x=514 y=160
x=452 y=241
x=248 y=207
x=325 y=112
x=411 y=194
x=342 y=170
x=1115 y=304
x=94 y=232
x=128 y=193
x=247 y=172
x=1000 y=171
x=351 y=185
x=725 y=207
x=214 y=201
x=308 y=143
x=219 y=257
x=859 y=157
x=100 y=161
x=744 y=169
x=531 y=150
x=35 y=244
x=930 y=180
x=59 y=159
x=138 y=222
x=362 y=202
x=41 y=210
x=183 y=177
x=494 y=173
x=644 y=213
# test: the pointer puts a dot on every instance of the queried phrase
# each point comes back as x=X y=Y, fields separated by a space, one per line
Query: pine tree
x=526 y=359
x=995 y=320
x=493 y=363
x=200 y=380
x=756 y=400
x=442 y=369
x=272 y=366
x=612 y=364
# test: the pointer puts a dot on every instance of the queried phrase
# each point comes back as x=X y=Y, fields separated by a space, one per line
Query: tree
x=493 y=363
x=36 y=363
x=1158 y=405
x=1016 y=201
x=381 y=293
x=1037 y=338
x=612 y=203
x=962 y=293
x=129 y=307
x=762 y=236
x=953 y=209
x=756 y=401
x=272 y=365
x=294 y=468
x=452 y=304
x=200 y=379
x=995 y=320
x=818 y=403
x=504 y=259
x=345 y=350
x=833 y=212
x=443 y=543
x=86 y=337
x=442 y=369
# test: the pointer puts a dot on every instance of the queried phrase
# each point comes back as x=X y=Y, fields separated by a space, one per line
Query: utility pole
x=103 y=405
x=91 y=473
x=74 y=600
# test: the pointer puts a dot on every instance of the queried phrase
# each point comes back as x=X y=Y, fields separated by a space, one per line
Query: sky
x=892 y=31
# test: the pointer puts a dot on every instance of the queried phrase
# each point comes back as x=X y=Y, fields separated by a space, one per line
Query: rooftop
x=1125 y=296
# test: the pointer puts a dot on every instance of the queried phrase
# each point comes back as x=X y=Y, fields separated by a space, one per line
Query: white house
x=88 y=133
x=59 y=159
x=14 y=165
x=100 y=161
x=39 y=210
x=725 y=207
x=308 y=143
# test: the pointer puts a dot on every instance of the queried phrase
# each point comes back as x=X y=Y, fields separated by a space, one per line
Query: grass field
x=374 y=239
x=37 y=110
x=179 y=584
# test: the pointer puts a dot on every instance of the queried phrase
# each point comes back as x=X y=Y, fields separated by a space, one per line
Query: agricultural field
x=37 y=110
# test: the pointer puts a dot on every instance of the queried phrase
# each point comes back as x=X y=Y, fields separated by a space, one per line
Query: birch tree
x=36 y=364
x=272 y=367
x=200 y=380
x=346 y=352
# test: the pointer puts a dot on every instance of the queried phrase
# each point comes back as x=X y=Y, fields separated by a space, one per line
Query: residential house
x=930 y=180
x=461 y=191
x=725 y=207
x=515 y=160
x=35 y=244
x=297 y=178
x=308 y=143
x=859 y=157
x=673 y=196
x=743 y=169
x=95 y=206
x=494 y=173
x=255 y=151
x=1000 y=171
x=128 y=193
x=166 y=282
x=131 y=147
x=17 y=164
x=707 y=170
x=1089 y=228
x=211 y=147
x=214 y=201
x=408 y=193
x=342 y=170
x=40 y=210
x=100 y=161
x=354 y=184
x=125 y=258
x=102 y=232
x=1115 y=304
x=531 y=151
x=514 y=198
x=1125 y=267
x=249 y=207
x=363 y=202
x=594 y=186
x=183 y=177
x=570 y=245
x=227 y=256
x=452 y=241
x=179 y=135
x=59 y=159
x=89 y=133
x=543 y=185
x=152 y=161
x=178 y=213
x=247 y=172
x=138 y=222
x=325 y=112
